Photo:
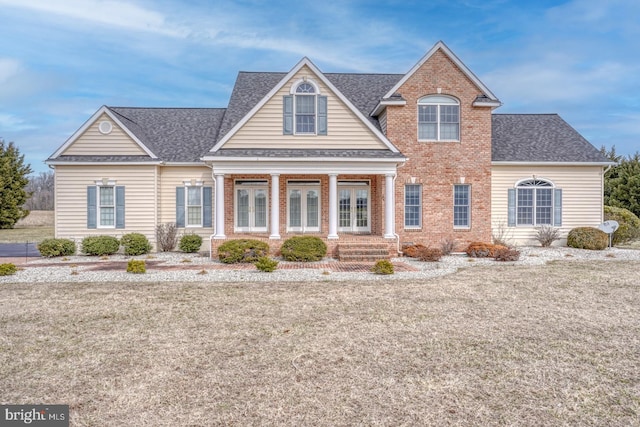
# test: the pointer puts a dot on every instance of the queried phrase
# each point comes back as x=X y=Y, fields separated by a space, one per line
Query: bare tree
x=41 y=187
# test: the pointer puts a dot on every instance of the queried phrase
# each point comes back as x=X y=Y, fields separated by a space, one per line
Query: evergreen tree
x=13 y=180
x=622 y=182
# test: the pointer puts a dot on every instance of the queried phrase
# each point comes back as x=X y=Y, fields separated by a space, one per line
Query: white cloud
x=8 y=69
x=107 y=12
x=11 y=123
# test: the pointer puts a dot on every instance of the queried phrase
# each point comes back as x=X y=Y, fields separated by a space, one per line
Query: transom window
x=534 y=202
x=438 y=118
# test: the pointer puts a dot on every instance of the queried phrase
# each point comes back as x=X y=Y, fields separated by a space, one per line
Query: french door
x=303 y=208
x=354 y=208
x=251 y=209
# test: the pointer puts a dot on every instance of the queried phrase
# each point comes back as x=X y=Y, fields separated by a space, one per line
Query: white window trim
x=520 y=186
x=187 y=185
x=468 y=226
x=293 y=185
x=424 y=101
x=404 y=219
x=315 y=95
x=112 y=185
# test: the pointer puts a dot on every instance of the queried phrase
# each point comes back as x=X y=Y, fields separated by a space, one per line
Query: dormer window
x=305 y=110
x=438 y=118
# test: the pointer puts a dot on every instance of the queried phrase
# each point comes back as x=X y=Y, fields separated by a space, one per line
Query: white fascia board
x=384 y=103
x=103 y=110
x=494 y=104
x=318 y=168
x=304 y=61
x=501 y=163
x=455 y=59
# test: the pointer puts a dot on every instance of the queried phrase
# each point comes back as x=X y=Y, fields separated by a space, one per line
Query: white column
x=275 y=206
x=389 y=207
x=333 y=206
x=219 y=232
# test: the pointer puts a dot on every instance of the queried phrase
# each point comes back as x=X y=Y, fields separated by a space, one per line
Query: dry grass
x=34 y=228
x=500 y=345
x=37 y=219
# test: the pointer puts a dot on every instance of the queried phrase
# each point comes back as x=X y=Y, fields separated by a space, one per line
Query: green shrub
x=190 y=243
x=629 y=224
x=383 y=266
x=242 y=250
x=135 y=244
x=7 y=269
x=100 y=245
x=482 y=250
x=266 y=264
x=429 y=254
x=56 y=247
x=588 y=238
x=136 y=266
x=303 y=248
x=506 y=254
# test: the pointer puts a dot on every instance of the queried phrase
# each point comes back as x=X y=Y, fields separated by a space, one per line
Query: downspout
x=394 y=211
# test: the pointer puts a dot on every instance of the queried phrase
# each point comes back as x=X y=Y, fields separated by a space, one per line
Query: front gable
x=103 y=135
x=263 y=127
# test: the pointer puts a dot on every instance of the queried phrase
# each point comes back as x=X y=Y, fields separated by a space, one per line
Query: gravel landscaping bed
x=174 y=266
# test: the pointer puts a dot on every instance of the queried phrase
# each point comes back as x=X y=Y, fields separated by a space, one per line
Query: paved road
x=17 y=250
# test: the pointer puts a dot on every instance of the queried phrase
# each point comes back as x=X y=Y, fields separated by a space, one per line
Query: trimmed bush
x=8 y=269
x=242 y=250
x=266 y=264
x=135 y=244
x=629 y=224
x=190 y=243
x=429 y=254
x=482 y=250
x=383 y=266
x=588 y=238
x=136 y=266
x=167 y=236
x=546 y=235
x=506 y=254
x=303 y=248
x=412 y=251
x=100 y=245
x=57 y=247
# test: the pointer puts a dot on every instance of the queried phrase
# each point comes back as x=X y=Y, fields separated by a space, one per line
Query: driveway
x=18 y=250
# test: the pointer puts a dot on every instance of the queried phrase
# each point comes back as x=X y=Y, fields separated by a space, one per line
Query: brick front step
x=351 y=252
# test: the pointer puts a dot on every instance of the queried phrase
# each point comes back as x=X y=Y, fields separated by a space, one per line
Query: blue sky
x=61 y=60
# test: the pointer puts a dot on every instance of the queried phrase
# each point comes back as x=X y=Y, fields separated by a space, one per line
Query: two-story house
x=388 y=158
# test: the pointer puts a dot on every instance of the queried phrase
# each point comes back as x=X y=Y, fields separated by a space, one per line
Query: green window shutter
x=287 y=115
x=557 y=207
x=120 y=206
x=180 y=207
x=322 y=115
x=92 y=207
x=511 y=213
x=206 y=205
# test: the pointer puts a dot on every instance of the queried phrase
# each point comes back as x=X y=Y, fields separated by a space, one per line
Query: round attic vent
x=105 y=127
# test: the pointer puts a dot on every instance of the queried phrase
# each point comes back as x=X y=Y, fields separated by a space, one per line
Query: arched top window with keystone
x=535 y=202
x=438 y=118
x=305 y=110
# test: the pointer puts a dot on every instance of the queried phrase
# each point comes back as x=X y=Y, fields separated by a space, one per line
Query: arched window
x=535 y=202
x=438 y=118
x=305 y=110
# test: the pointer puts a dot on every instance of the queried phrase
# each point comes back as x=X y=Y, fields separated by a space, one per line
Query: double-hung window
x=438 y=118
x=412 y=206
x=535 y=202
x=107 y=206
x=194 y=206
x=305 y=110
x=461 y=206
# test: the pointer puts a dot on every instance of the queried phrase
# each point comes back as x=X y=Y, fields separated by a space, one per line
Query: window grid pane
x=106 y=196
x=525 y=206
x=544 y=205
x=107 y=207
x=107 y=216
x=260 y=202
x=295 y=209
x=312 y=208
x=194 y=215
x=243 y=208
x=412 y=209
x=461 y=206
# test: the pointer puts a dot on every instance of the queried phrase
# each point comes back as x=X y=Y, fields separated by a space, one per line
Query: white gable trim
x=441 y=46
x=304 y=61
x=103 y=110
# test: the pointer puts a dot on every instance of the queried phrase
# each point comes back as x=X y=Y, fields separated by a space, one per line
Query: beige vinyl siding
x=71 y=199
x=344 y=128
x=581 y=197
x=94 y=143
x=171 y=177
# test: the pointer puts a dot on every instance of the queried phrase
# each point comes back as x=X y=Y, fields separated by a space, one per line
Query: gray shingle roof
x=288 y=153
x=539 y=138
x=173 y=134
x=114 y=158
